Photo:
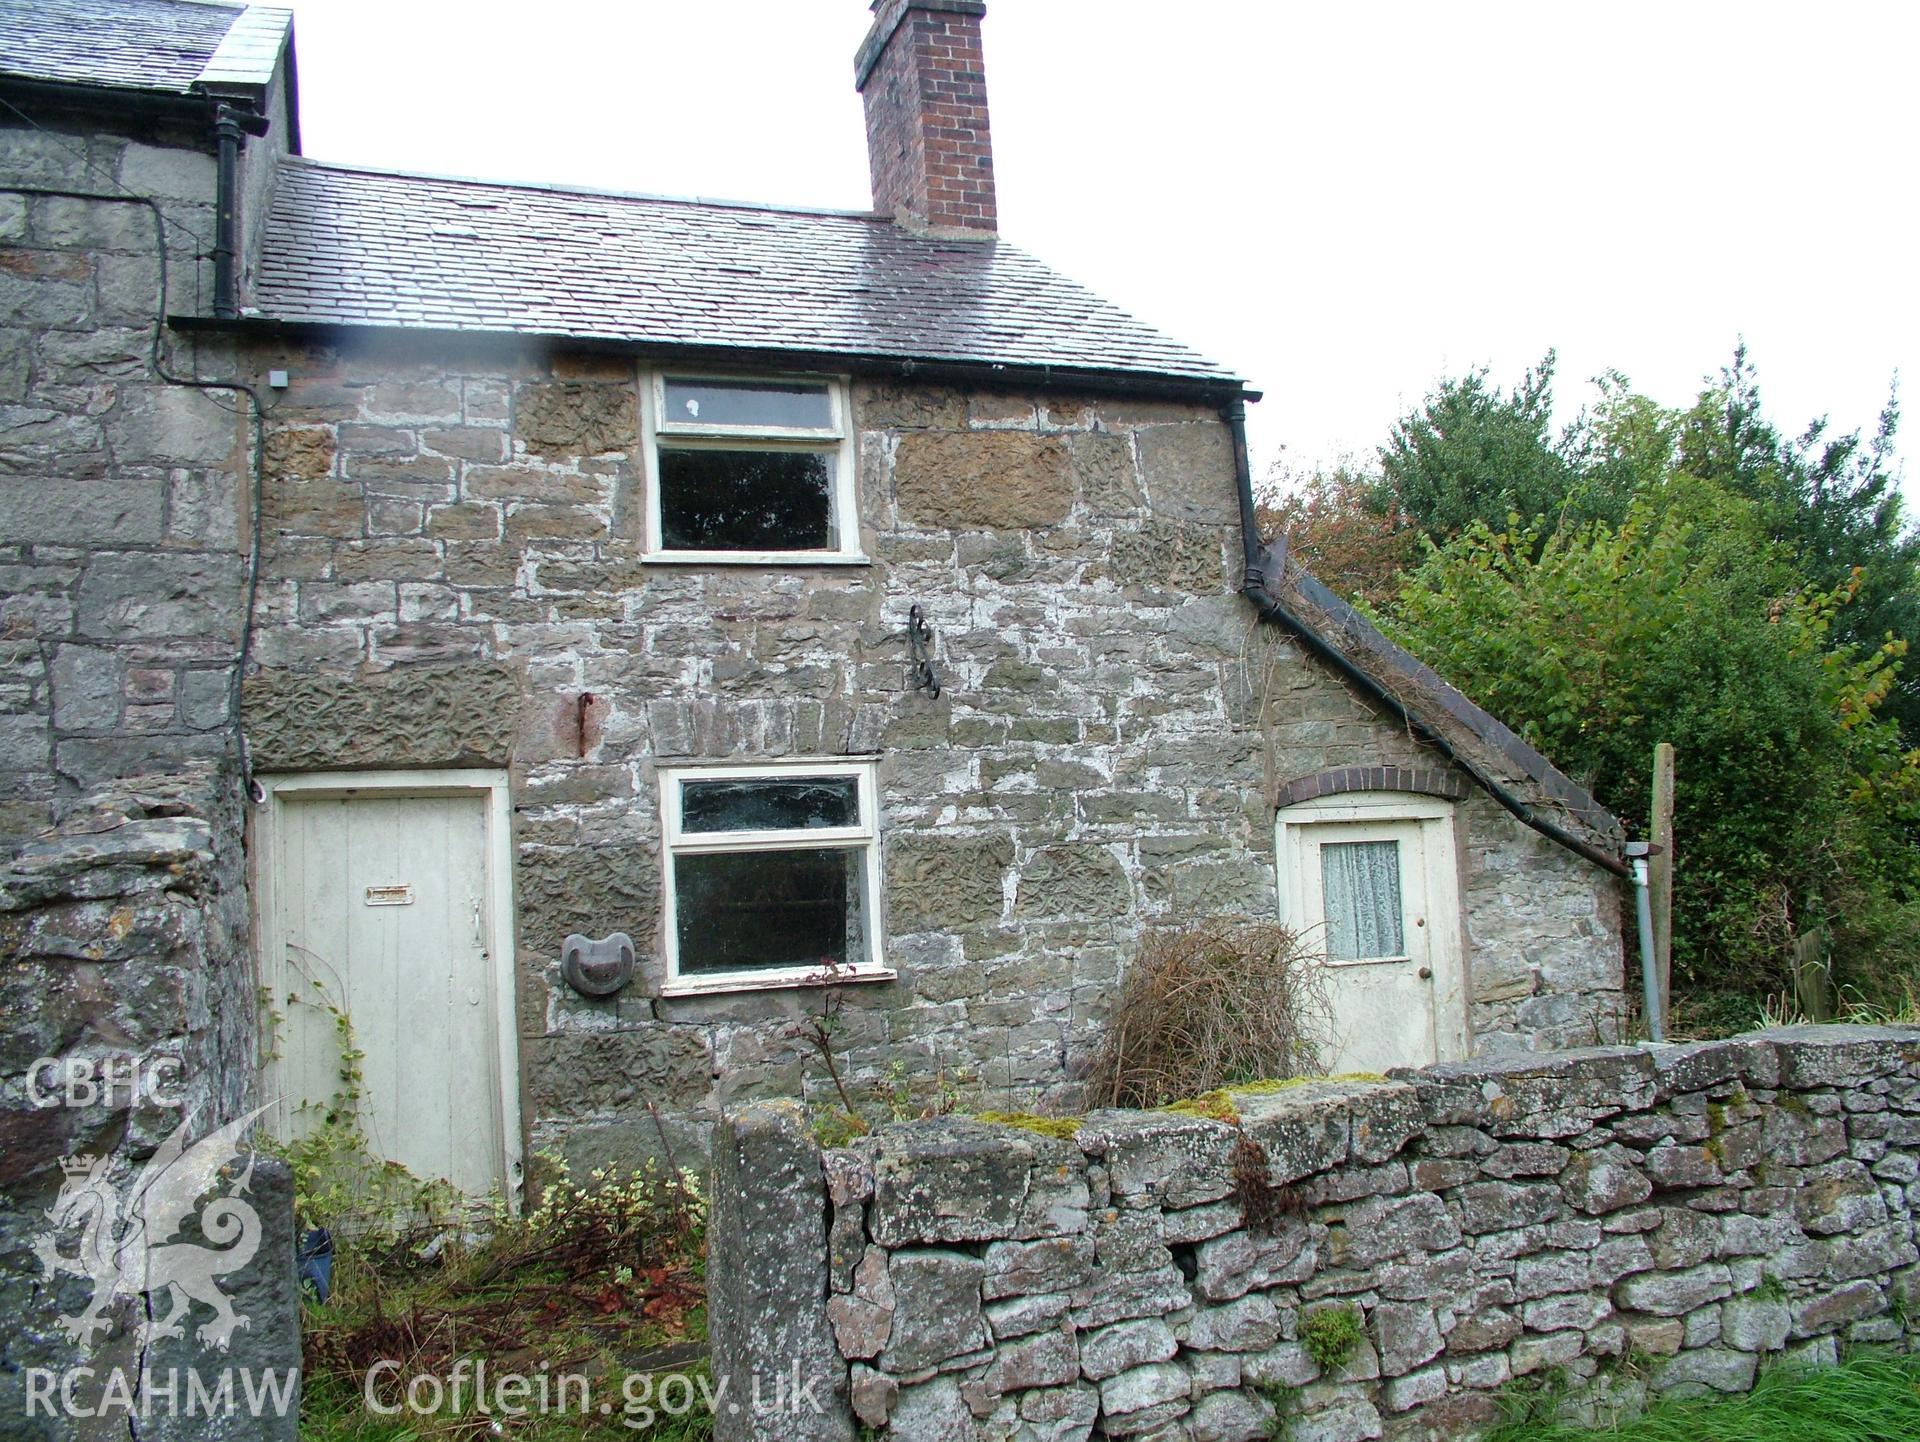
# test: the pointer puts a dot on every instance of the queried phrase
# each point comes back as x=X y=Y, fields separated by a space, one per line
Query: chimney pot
x=920 y=74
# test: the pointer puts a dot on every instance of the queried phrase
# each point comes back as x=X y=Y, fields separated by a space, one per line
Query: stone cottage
x=579 y=637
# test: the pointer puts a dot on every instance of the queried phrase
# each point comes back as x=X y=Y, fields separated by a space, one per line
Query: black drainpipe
x=1263 y=566
x=231 y=127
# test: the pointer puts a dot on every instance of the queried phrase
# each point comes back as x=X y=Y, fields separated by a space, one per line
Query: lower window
x=772 y=875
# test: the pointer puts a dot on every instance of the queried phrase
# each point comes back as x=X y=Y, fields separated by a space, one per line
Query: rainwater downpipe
x=1637 y=854
x=231 y=127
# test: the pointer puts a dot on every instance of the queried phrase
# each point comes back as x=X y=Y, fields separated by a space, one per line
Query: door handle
x=1426 y=973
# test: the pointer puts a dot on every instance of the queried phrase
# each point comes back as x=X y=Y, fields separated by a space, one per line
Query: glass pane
x=745 y=500
x=1360 y=885
x=802 y=803
x=754 y=910
x=775 y=405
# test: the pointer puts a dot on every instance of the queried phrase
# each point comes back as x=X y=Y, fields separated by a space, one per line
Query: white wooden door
x=382 y=913
x=1376 y=895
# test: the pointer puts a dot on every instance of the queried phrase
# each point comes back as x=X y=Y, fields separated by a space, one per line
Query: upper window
x=773 y=875
x=750 y=470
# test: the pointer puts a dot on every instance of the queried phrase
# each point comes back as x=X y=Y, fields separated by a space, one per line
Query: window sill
x=751 y=558
x=777 y=981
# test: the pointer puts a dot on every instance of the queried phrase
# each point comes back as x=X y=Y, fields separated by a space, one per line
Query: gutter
x=1265 y=566
x=1199 y=390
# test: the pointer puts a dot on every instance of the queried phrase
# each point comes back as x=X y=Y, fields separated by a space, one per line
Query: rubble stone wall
x=132 y=1012
x=1632 y=1220
x=454 y=577
x=121 y=496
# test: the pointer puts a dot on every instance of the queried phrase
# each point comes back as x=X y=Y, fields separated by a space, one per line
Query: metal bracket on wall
x=597 y=968
x=920 y=650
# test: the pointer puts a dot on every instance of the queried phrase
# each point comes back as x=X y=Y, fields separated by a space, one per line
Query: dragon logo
x=126 y=1240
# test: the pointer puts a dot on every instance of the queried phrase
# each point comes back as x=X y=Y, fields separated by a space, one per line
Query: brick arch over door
x=1415 y=781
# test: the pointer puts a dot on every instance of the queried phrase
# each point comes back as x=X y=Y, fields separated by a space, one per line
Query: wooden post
x=1660 y=872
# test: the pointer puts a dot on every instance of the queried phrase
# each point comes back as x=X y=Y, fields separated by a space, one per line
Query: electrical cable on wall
x=158 y=367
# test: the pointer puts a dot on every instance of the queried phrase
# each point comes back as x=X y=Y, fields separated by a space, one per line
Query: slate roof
x=363 y=247
x=152 y=45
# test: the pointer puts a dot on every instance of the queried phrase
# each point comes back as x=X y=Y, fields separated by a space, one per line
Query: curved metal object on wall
x=597 y=968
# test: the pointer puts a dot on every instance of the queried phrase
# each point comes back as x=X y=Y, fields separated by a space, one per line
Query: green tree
x=1689 y=623
x=1474 y=452
x=1832 y=500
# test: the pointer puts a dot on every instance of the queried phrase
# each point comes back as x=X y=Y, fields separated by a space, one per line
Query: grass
x=1866 y=1398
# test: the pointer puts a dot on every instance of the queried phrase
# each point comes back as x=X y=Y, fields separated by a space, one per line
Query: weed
x=818 y=1032
x=337 y=1180
x=591 y=1280
x=1531 y=1400
x=1769 y=1289
x=1280 y=1397
x=894 y=1091
x=1330 y=1336
x=1262 y=1204
x=836 y=1127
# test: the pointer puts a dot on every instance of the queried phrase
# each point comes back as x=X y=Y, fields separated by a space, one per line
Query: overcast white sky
x=1342 y=201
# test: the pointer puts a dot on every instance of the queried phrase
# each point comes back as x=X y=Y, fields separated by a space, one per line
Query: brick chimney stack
x=921 y=75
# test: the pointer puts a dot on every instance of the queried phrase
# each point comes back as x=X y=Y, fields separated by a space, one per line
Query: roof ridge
x=709 y=202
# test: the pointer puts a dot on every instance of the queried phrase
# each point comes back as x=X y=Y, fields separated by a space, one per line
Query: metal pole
x=1637 y=853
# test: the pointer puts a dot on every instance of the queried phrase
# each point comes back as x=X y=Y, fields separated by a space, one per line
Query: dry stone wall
x=454 y=577
x=1626 y=1220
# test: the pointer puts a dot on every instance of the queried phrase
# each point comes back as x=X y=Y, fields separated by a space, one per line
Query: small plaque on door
x=397 y=895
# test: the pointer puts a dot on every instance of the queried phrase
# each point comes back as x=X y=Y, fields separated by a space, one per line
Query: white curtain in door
x=1360 y=885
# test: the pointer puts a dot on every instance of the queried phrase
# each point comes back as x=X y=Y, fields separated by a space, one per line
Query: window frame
x=1310 y=876
x=676 y=841
x=837 y=442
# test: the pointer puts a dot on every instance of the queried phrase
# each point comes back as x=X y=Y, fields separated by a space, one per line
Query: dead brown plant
x=1207 y=1005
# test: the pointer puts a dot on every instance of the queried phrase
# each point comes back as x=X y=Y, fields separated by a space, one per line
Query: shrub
x=1206 y=1006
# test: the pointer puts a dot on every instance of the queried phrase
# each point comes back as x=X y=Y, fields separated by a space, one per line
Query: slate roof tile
x=356 y=246
x=161 y=45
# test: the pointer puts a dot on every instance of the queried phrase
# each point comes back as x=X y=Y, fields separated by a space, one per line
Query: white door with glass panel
x=1372 y=886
